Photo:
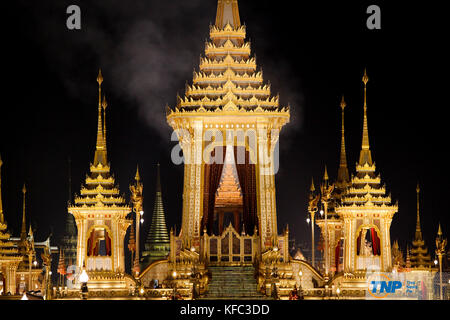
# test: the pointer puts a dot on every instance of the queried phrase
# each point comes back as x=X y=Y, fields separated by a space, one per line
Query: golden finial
x=1 y=162
x=104 y=103
x=439 y=230
x=99 y=77
x=24 y=189
x=312 y=185
x=325 y=175
x=418 y=188
x=343 y=104
x=365 y=78
x=30 y=232
x=137 y=177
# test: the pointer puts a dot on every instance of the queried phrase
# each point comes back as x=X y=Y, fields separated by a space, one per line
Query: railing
x=99 y=263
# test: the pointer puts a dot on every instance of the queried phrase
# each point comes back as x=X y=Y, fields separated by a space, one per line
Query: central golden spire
x=343 y=176
x=418 y=229
x=23 y=233
x=227 y=12
x=365 y=155
x=100 y=148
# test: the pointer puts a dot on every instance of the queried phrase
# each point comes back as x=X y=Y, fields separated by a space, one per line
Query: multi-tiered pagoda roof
x=365 y=188
x=420 y=257
x=228 y=78
x=100 y=189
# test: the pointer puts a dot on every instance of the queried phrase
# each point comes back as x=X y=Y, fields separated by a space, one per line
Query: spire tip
x=104 y=103
x=325 y=175
x=365 y=78
x=137 y=177
x=99 y=77
x=343 y=104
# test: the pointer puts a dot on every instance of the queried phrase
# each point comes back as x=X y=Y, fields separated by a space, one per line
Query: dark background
x=311 y=52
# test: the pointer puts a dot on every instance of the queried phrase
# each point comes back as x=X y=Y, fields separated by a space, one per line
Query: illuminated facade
x=101 y=217
x=367 y=213
x=228 y=105
x=358 y=218
x=228 y=110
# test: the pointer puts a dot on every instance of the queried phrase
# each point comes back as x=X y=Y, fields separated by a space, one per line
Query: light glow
x=84 y=278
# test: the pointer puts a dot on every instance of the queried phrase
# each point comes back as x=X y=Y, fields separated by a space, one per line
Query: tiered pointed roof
x=229 y=191
x=99 y=189
x=69 y=240
x=420 y=257
x=365 y=188
x=343 y=178
x=228 y=78
x=157 y=244
x=8 y=251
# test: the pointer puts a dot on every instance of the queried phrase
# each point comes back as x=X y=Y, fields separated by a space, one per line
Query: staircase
x=229 y=282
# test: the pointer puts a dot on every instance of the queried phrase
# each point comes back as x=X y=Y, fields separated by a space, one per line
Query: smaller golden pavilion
x=19 y=269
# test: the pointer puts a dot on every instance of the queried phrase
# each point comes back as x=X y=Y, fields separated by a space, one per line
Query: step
x=229 y=282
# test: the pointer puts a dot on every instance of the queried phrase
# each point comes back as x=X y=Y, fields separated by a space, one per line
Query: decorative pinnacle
x=439 y=230
x=343 y=104
x=1 y=162
x=99 y=77
x=312 y=185
x=325 y=175
x=137 y=177
x=104 y=103
x=418 y=235
x=365 y=78
x=23 y=233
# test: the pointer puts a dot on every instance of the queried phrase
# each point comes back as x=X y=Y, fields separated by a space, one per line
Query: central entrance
x=230 y=192
x=231 y=248
x=228 y=203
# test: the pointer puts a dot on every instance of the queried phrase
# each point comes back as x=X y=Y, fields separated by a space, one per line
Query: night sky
x=311 y=53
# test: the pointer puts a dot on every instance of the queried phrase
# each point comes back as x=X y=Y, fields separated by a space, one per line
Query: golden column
x=326 y=191
x=312 y=209
x=441 y=243
x=137 y=199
